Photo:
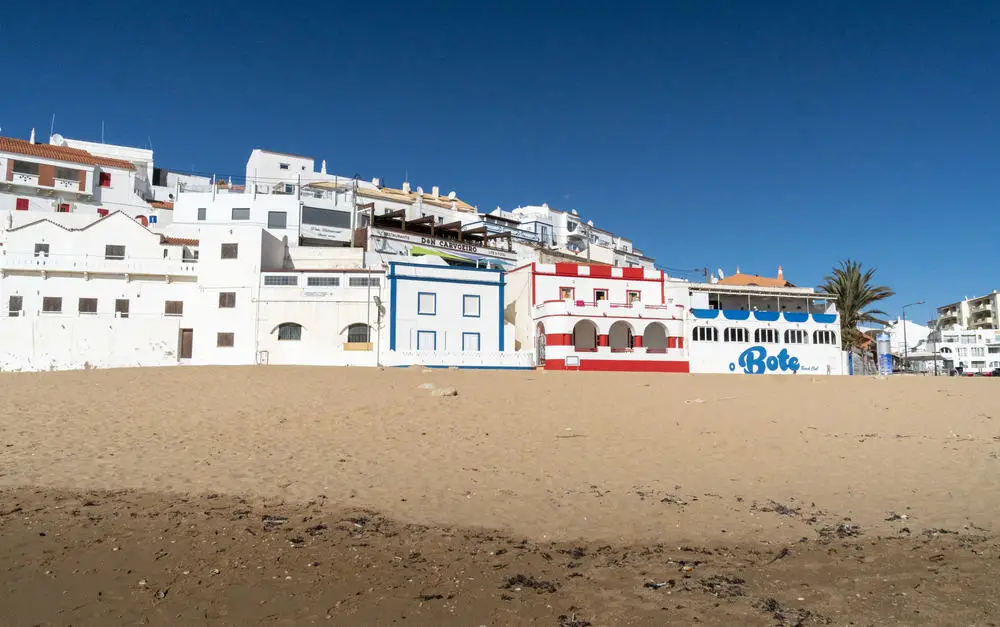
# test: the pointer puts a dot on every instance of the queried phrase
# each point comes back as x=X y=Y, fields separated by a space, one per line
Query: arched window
x=358 y=333
x=765 y=336
x=705 y=334
x=735 y=334
x=945 y=349
x=795 y=336
x=585 y=336
x=824 y=337
x=654 y=338
x=620 y=336
x=289 y=331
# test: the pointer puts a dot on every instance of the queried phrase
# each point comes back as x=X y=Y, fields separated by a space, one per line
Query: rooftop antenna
x=52 y=126
x=102 y=131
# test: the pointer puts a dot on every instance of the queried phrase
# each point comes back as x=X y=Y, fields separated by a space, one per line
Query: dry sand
x=825 y=498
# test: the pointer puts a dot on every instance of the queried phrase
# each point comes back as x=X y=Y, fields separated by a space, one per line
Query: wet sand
x=527 y=497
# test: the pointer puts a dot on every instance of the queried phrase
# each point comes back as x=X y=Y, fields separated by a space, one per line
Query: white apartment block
x=981 y=312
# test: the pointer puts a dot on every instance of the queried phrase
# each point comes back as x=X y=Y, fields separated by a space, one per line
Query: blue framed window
x=427 y=303
x=470 y=342
x=470 y=306
x=427 y=340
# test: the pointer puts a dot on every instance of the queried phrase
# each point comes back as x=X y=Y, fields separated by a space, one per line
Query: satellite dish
x=57 y=140
x=721 y=274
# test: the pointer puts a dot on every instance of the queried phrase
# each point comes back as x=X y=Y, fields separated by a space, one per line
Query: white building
x=981 y=312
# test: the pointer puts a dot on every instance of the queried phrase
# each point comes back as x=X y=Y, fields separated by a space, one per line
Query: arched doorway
x=620 y=337
x=585 y=336
x=540 y=344
x=654 y=338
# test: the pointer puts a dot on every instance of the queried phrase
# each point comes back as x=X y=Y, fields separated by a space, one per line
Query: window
x=363 y=281
x=225 y=340
x=326 y=217
x=993 y=349
x=705 y=334
x=769 y=336
x=105 y=179
x=114 y=251
x=202 y=213
x=945 y=350
x=22 y=204
x=230 y=251
x=824 y=337
x=67 y=174
x=282 y=166
x=426 y=304
x=795 y=336
x=634 y=296
x=62 y=208
x=470 y=306
x=358 y=333
x=277 y=220
x=14 y=304
x=87 y=305
x=978 y=351
x=173 y=308
x=323 y=281
x=241 y=213
x=102 y=212
x=41 y=250
x=121 y=307
x=600 y=295
x=735 y=334
x=426 y=340
x=963 y=352
x=281 y=279
x=290 y=332
x=566 y=293
x=470 y=342
x=51 y=304
x=25 y=167
x=227 y=300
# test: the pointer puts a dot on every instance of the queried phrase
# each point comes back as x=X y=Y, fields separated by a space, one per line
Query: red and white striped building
x=591 y=317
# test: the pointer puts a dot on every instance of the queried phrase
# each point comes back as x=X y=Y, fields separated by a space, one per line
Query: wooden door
x=187 y=343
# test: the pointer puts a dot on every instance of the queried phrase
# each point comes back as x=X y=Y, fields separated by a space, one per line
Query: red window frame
x=22 y=204
x=102 y=212
x=607 y=293
x=105 y=179
x=63 y=207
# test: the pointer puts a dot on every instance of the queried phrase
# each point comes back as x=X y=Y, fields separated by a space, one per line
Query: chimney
x=31 y=139
x=435 y=191
x=322 y=167
x=781 y=274
x=406 y=186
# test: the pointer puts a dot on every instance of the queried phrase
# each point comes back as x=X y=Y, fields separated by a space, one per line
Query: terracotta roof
x=178 y=241
x=756 y=280
x=60 y=153
x=161 y=204
x=399 y=195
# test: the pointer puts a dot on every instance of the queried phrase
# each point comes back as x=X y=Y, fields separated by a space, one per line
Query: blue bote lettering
x=755 y=360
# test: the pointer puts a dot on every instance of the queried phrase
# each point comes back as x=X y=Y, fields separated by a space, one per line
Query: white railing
x=25 y=179
x=97 y=264
x=67 y=184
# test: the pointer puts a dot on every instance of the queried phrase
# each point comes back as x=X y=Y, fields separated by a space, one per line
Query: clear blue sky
x=713 y=133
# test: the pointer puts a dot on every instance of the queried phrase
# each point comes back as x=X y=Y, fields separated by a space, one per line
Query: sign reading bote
x=755 y=360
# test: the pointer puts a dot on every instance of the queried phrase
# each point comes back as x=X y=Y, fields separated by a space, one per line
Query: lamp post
x=906 y=349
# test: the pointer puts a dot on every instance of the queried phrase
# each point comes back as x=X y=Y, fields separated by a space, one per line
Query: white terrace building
x=581 y=317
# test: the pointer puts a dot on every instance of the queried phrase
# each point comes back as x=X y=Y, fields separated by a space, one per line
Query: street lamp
x=906 y=349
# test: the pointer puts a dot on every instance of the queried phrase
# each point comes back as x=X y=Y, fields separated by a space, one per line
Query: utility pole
x=906 y=349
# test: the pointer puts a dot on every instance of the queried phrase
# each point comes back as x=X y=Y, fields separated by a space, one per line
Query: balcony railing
x=98 y=264
x=603 y=307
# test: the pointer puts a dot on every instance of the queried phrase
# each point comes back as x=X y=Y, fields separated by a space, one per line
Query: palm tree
x=851 y=286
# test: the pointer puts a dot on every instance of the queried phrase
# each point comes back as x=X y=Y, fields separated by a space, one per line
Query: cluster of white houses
x=107 y=261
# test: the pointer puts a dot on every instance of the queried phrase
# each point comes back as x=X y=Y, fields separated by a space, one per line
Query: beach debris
x=571 y=620
x=271 y=522
x=723 y=586
x=448 y=391
x=785 y=552
x=673 y=499
x=162 y=593
x=692 y=401
x=893 y=516
x=777 y=508
x=524 y=581
x=656 y=586
x=791 y=616
x=842 y=531
x=142 y=582
x=426 y=386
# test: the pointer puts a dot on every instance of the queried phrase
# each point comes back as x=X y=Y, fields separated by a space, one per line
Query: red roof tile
x=178 y=241
x=161 y=204
x=60 y=153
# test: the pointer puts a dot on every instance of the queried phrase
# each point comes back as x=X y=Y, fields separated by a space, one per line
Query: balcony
x=97 y=264
x=604 y=308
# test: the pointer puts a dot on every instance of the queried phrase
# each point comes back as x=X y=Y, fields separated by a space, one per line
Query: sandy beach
x=780 y=500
